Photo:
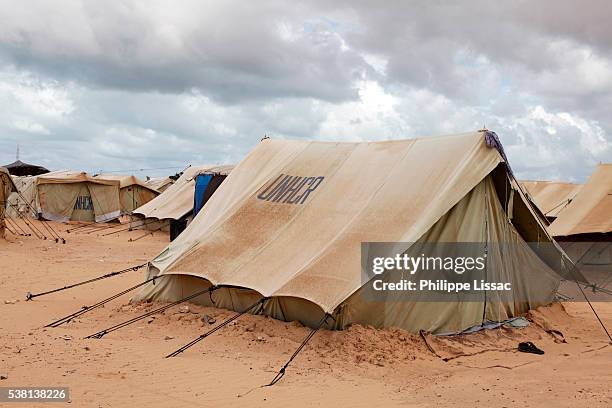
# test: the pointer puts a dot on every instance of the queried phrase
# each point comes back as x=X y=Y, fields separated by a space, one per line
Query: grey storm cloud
x=232 y=50
x=158 y=84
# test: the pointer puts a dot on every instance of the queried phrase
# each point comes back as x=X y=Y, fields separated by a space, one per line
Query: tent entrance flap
x=202 y=182
x=206 y=185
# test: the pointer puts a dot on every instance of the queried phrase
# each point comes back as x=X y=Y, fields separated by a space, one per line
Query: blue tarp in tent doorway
x=202 y=181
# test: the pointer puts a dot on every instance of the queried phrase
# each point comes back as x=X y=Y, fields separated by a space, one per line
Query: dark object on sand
x=529 y=347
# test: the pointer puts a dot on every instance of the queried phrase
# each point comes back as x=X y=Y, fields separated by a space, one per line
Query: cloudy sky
x=127 y=85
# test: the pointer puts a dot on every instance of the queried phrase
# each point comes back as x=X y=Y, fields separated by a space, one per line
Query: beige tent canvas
x=591 y=210
x=289 y=221
x=24 y=201
x=159 y=183
x=177 y=200
x=585 y=226
x=6 y=188
x=133 y=192
x=551 y=197
x=76 y=196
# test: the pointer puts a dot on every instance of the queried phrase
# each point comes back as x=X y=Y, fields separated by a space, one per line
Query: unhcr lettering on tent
x=287 y=189
x=83 y=203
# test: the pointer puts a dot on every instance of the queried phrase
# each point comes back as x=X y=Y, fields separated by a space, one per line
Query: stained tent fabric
x=590 y=212
x=133 y=192
x=289 y=221
x=551 y=197
x=69 y=195
x=159 y=183
x=177 y=201
x=6 y=188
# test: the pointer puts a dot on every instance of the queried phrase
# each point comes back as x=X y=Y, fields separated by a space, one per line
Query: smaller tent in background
x=159 y=183
x=77 y=196
x=590 y=212
x=133 y=192
x=19 y=168
x=584 y=228
x=6 y=188
x=175 y=206
x=24 y=202
x=551 y=197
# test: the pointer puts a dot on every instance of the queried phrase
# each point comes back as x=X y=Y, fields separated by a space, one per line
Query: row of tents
x=286 y=227
x=572 y=211
x=77 y=196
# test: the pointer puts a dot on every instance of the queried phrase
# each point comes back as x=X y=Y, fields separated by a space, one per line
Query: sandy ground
x=358 y=367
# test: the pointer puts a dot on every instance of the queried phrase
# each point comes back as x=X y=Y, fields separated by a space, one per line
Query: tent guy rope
x=86 y=309
x=118 y=326
x=30 y=296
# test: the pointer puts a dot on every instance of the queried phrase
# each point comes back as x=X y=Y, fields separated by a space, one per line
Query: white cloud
x=31 y=127
x=41 y=97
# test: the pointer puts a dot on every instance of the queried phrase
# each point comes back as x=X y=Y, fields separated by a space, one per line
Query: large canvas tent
x=133 y=192
x=288 y=224
x=6 y=188
x=551 y=197
x=76 y=196
x=585 y=226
